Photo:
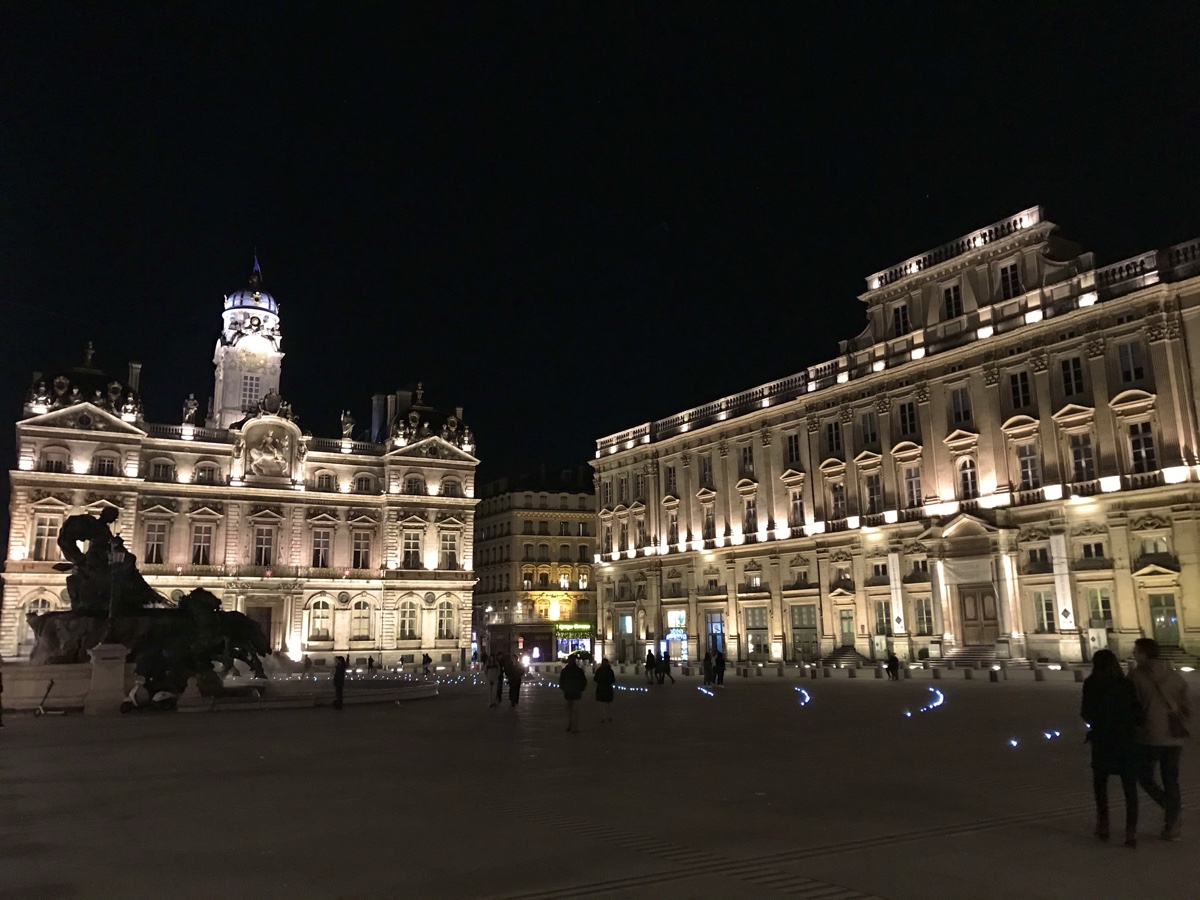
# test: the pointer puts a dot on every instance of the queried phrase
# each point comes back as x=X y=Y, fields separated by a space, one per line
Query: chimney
x=135 y=375
x=403 y=399
x=458 y=413
x=378 y=407
x=391 y=410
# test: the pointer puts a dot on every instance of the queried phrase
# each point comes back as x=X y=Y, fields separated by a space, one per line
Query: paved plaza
x=752 y=792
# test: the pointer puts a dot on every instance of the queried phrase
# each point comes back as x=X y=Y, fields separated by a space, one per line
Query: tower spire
x=256 y=274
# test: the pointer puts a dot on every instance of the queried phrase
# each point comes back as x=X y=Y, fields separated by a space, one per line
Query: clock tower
x=247 y=358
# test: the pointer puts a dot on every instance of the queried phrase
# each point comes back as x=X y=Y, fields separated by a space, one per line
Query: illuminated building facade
x=1003 y=463
x=359 y=545
x=535 y=540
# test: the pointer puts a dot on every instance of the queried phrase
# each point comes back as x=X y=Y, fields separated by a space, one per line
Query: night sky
x=567 y=218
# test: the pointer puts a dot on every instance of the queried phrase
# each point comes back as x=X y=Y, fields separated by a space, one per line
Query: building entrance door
x=714 y=626
x=1166 y=622
x=846 y=618
x=980 y=616
x=262 y=615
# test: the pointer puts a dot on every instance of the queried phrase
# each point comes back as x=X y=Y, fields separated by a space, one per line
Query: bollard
x=994 y=676
x=826 y=672
x=950 y=664
x=907 y=673
x=814 y=672
x=1080 y=675
x=968 y=674
x=936 y=673
x=878 y=672
x=1039 y=674
x=853 y=673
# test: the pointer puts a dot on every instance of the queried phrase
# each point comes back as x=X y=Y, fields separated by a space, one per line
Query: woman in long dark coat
x=606 y=680
x=1111 y=710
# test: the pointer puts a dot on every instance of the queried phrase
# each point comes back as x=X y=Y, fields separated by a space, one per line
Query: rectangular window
x=54 y=464
x=623 y=536
x=1093 y=550
x=793 y=449
x=883 y=617
x=162 y=471
x=623 y=489
x=202 y=542
x=912 y=486
x=411 y=550
x=900 y=323
x=706 y=478
x=1018 y=384
x=106 y=465
x=639 y=486
x=1010 y=282
x=322 y=542
x=747 y=461
x=879 y=570
x=583 y=531
x=1030 y=466
x=45 y=538
x=360 y=557
x=838 y=497
x=156 y=542
x=1082 y=461
x=264 y=545
x=1129 y=356
x=1072 y=376
x=1141 y=448
x=923 y=613
x=1100 y=607
x=606 y=544
x=606 y=493
x=251 y=391
x=908 y=418
x=1039 y=556
x=874 y=485
x=960 y=405
x=672 y=528
x=750 y=519
x=324 y=482
x=1043 y=612
x=671 y=480
x=952 y=306
x=833 y=437
x=710 y=523
x=448 y=552
x=564 y=529
x=870 y=428
x=639 y=534
x=796 y=512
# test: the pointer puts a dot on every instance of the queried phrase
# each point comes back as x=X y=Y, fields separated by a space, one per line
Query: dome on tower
x=254 y=297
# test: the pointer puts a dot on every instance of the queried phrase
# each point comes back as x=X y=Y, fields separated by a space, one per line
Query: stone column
x=899 y=628
x=1064 y=602
x=107 y=689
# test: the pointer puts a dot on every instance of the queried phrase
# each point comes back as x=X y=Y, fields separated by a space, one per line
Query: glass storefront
x=573 y=637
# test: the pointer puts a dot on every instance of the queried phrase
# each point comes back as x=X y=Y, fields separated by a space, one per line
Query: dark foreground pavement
x=745 y=794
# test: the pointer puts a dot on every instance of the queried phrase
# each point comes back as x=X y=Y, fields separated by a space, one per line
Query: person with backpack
x=1162 y=695
x=572 y=681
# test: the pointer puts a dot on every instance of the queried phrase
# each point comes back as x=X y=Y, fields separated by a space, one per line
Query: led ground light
x=705 y=690
x=805 y=696
x=938 y=699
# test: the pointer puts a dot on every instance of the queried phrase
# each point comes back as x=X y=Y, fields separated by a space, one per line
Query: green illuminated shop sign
x=573 y=626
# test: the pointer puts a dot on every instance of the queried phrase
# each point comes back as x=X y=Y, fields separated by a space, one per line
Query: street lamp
x=116 y=560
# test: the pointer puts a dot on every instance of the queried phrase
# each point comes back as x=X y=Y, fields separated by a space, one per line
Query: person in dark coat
x=606 y=680
x=515 y=672
x=426 y=660
x=1162 y=731
x=664 y=667
x=893 y=666
x=719 y=667
x=1110 y=707
x=339 y=681
x=651 y=666
x=707 y=666
x=572 y=681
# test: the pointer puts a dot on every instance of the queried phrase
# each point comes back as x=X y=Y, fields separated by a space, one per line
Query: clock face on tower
x=255 y=322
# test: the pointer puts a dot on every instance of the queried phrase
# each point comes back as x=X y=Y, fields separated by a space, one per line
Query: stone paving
x=757 y=791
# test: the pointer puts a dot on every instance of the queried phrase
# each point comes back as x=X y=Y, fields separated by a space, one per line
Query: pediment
x=452 y=520
x=50 y=502
x=960 y=439
x=207 y=511
x=1132 y=401
x=432 y=447
x=413 y=519
x=1019 y=426
x=906 y=450
x=156 y=511
x=363 y=519
x=962 y=525
x=706 y=495
x=792 y=476
x=832 y=465
x=84 y=417
x=841 y=594
x=868 y=459
x=638 y=506
x=670 y=501
x=103 y=503
x=1153 y=569
x=324 y=517
x=1073 y=412
x=746 y=486
x=265 y=515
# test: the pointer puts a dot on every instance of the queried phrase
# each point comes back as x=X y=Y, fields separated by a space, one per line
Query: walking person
x=1110 y=708
x=491 y=672
x=719 y=667
x=515 y=673
x=1162 y=696
x=707 y=666
x=893 y=666
x=606 y=680
x=664 y=667
x=651 y=666
x=370 y=665
x=426 y=659
x=339 y=681
x=572 y=681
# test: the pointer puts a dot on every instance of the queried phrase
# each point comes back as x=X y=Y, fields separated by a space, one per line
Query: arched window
x=206 y=473
x=414 y=484
x=104 y=464
x=363 y=484
x=54 y=459
x=37 y=606
x=451 y=488
x=968 y=480
x=325 y=481
x=445 y=620
x=320 y=620
x=360 y=621
x=564 y=581
x=408 y=621
x=583 y=581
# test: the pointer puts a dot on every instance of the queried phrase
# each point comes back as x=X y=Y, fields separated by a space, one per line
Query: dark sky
x=567 y=218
